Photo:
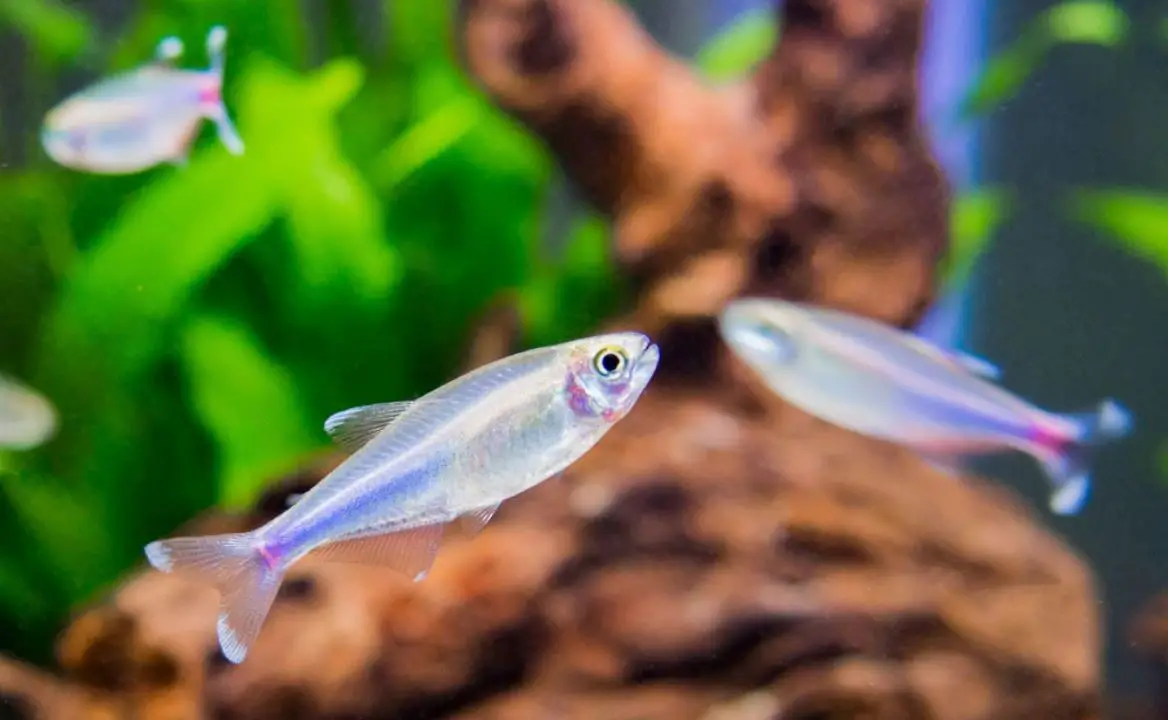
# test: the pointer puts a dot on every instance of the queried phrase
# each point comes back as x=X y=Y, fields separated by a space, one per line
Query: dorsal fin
x=169 y=49
x=976 y=365
x=354 y=427
x=940 y=328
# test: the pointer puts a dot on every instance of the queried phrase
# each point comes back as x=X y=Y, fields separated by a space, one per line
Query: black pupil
x=610 y=363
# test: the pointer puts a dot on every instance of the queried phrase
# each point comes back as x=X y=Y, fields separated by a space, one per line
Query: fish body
x=27 y=418
x=139 y=119
x=457 y=452
x=874 y=379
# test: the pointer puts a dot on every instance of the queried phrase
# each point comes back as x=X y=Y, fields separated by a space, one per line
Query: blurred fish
x=461 y=450
x=144 y=117
x=27 y=419
x=879 y=381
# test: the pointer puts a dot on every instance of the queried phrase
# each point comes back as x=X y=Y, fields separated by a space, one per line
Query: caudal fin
x=1070 y=469
x=216 y=44
x=246 y=578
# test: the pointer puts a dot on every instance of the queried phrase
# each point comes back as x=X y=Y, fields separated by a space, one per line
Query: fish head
x=65 y=144
x=765 y=333
x=608 y=373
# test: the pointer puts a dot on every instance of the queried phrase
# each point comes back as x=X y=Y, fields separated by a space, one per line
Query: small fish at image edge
x=27 y=419
x=139 y=119
x=876 y=380
x=457 y=452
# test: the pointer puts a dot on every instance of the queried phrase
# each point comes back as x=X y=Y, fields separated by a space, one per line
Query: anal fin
x=408 y=551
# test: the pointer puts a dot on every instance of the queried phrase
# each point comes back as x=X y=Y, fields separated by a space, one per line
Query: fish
x=142 y=118
x=886 y=383
x=457 y=452
x=27 y=418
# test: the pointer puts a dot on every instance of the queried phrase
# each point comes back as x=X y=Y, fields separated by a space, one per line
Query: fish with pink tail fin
x=141 y=118
x=879 y=381
x=459 y=451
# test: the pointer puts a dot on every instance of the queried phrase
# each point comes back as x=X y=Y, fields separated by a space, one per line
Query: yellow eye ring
x=610 y=362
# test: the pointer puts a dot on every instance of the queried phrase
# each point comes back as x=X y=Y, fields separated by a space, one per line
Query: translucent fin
x=941 y=323
x=947 y=464
x=226 y=130
x=976 y=365
x=408 y=551
x=216 y=45
x=1069 y=470
x=353 y=428
x=246 y=577
x=941 y=327
x=169 y=49
x=228 y=135
x=477 y=519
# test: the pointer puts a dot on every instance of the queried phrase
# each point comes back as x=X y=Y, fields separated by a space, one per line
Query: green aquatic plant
x=1078 y=22
x=1137 y=219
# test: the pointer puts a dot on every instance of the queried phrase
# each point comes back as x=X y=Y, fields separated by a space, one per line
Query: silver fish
x=457 y=452
x=27 y=418
x=144 y=117
x=874 y=379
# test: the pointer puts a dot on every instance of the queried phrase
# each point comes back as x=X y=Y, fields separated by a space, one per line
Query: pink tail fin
x=244 y=575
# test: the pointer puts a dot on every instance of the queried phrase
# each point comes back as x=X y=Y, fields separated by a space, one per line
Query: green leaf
x=57 y=32
x=335 y=217
x=60 y=522
x=739 y=47
x=1087 y=22
x=1082 y=22
x=143 y=270
x=1002 y=78
x=248 y=403
x=420 y=32
x=1139 y=220
x=427 y=139
x=975 y=218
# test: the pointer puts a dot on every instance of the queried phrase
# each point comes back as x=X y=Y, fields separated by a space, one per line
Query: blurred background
x=194 y=326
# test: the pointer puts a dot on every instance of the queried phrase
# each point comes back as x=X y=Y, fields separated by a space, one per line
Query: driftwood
x=718 y=555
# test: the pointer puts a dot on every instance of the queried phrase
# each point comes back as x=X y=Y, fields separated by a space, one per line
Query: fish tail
x=217 y=111
x=1069 y=469
x=244 y=570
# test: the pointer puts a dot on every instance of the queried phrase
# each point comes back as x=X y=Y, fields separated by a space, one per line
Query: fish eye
x=610 y=362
